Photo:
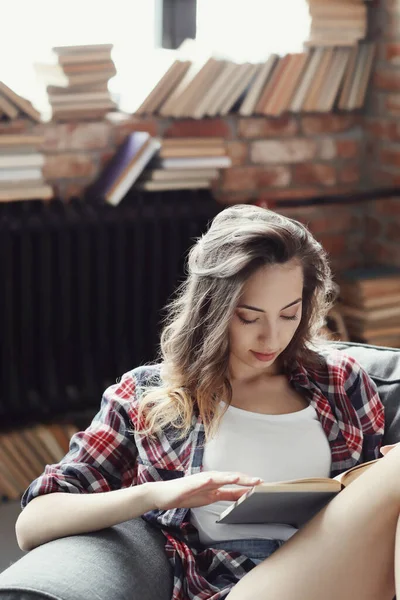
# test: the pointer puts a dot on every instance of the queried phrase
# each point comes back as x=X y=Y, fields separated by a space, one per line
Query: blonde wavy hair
x=194 y=344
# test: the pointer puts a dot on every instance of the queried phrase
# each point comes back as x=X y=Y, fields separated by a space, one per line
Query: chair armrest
x=124 y=561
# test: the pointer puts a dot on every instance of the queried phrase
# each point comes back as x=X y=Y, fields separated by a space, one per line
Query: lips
x=264 y=357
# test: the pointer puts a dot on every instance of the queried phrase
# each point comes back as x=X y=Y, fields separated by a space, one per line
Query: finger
x=231 y=495
x=237 y=479
x=385 y=449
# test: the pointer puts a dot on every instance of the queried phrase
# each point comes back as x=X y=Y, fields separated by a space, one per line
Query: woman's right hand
x=200 y=489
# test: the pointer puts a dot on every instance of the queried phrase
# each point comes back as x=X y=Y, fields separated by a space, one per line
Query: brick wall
x=272 y=159
x=289 y=157
x=282 y=159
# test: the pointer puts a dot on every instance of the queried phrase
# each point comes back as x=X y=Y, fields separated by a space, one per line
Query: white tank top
x=273 y=447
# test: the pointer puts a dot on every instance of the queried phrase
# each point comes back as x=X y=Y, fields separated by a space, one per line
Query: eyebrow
x=263 y=311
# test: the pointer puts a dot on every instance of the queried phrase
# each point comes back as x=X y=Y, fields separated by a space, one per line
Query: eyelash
x=245 y=322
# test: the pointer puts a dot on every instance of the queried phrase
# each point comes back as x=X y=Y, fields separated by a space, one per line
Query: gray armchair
x=127 y=562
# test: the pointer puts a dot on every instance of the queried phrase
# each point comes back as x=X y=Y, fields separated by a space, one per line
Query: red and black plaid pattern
x=110 y=455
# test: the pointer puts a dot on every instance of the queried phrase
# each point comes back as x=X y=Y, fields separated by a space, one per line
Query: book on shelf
x=280 y=99
x=77 y=85
x=293 y=502
x=21 y=139
x=372 y=280
x=337 y=22
x=125 y=167
x=317 y=80
x=24 y=454
x=19 y=175
x=370 y=315
x=253 y=94
x=21 y=161
x=183 y=184
x=181 y=174
x=88 y=58
x=82 y=49
x=171 y=151
x=217 y=162
x=38 y=192
x=160 y=92
x=14 y=104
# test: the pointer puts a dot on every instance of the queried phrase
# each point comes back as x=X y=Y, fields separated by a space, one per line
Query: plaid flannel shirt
x=109 y=455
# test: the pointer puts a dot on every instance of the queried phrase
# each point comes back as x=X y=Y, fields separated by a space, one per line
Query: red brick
x=327 y=149
x=283 y=151
x=274 y=176
x=392 y=6
x=289 y=194
x=344 y=263
x=237 y=151
x=384 y=178
x=64 y=166
x=124 y=127
x=312 y=125
x=384 y=129
x=387 y=79
x=230 y=198
x=393 y=232
x=335 y=244
x=348 y=148
x=240 y=178
x=390 y=156
x=202 y=128
x=339 y=218
x=391 y=52
x=392 y=105
x=388 y=206
x=391 y=29
x=260 y=127
x=349 y=173
x=314 y=173
x=382 y=253
x=74 y=188
x=253 y=178
x=105 y=157
x=76 y=136
x=373 y=226
x=19 y=126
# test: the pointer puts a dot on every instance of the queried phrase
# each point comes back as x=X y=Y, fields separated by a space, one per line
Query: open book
x=292 y=502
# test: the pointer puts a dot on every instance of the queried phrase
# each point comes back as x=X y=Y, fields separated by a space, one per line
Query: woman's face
x=265 y=320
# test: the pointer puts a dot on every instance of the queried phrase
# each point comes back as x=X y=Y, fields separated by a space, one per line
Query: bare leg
x=345 y=552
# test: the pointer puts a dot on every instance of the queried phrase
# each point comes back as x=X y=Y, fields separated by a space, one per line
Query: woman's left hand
x=385 y=449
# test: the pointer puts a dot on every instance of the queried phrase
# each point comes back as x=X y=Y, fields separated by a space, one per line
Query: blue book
x=124 y=168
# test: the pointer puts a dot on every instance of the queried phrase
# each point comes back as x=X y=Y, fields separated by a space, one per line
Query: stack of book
x=25 y=453
x=337 y=22
x=14 y=107
x=21 y=164
x=185 y=163
x=121 y=172
x=79 y=83
x=317 y=80
x=370 y=305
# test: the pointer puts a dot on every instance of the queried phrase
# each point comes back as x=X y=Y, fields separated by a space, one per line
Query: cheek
x=239 y=335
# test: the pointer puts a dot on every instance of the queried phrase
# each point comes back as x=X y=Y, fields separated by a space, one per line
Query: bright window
x=252 y=29
x=32 y=27
x=244 y=31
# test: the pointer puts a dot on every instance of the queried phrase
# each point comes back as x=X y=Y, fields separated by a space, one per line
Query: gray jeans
x=125 y=562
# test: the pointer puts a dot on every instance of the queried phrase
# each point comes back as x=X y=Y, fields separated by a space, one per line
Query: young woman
x=243 y=393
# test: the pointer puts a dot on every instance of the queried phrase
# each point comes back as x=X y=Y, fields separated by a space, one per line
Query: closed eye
x=245 y=321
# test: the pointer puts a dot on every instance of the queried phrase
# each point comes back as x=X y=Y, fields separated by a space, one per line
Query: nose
x=268 y=338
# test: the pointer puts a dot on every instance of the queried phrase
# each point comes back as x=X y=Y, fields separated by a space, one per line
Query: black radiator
x=82 y=288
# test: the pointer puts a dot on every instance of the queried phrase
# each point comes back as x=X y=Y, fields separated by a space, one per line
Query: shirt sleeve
x=363 y=393
x=101 y=458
